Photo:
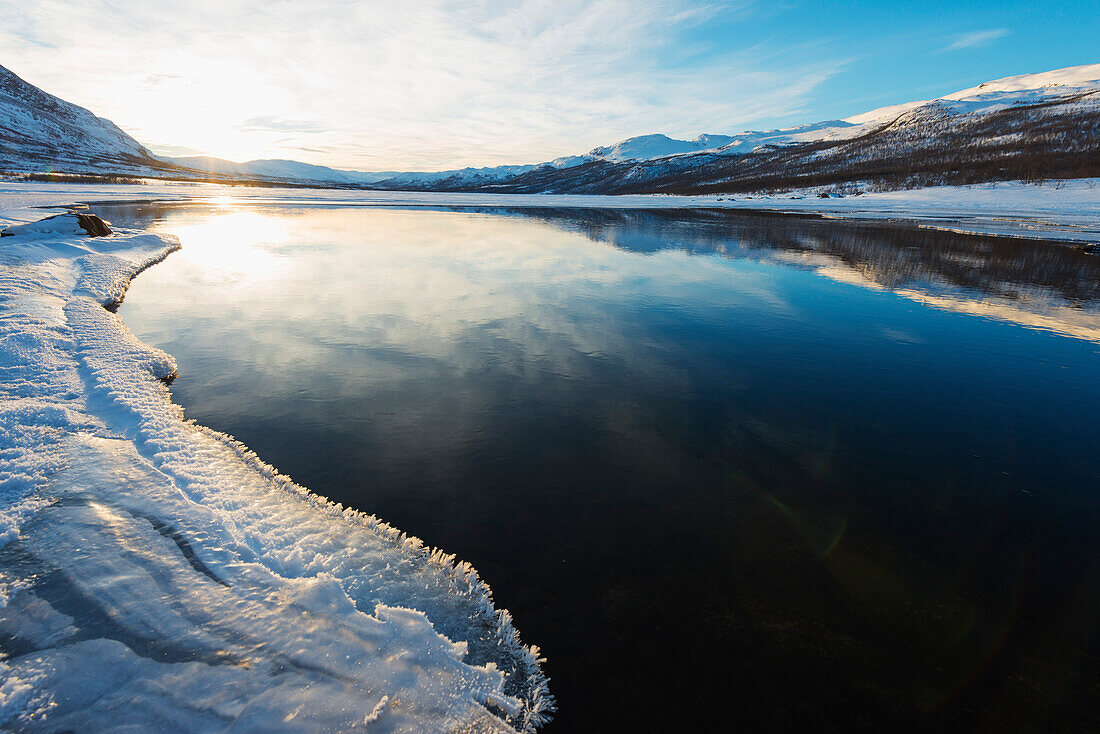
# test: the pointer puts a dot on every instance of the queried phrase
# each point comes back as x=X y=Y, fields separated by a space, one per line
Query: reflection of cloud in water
x=381 y=280
x=902 y=336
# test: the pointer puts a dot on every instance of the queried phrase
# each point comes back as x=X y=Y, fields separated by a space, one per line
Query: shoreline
x=101 y=416
x=1059 y=212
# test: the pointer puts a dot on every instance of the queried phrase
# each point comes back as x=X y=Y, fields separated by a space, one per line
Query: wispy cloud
x=178 y=150
x=976 y=39
x=404 y=86
x=277 y=124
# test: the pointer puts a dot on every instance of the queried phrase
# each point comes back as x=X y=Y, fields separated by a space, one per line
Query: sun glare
x=234 y=245
x=209 y=106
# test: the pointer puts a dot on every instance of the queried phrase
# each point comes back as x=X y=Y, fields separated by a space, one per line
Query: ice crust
x=157 y=575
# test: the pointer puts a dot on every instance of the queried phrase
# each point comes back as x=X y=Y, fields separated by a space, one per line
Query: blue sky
x=899 y=51
x=430 y=84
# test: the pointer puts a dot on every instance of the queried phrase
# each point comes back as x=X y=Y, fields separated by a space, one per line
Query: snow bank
x=60 y=224
x=65 y=224
x=157 y=574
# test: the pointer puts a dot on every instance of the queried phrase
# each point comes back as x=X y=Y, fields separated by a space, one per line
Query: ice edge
x=106 y=286
x=540 y=704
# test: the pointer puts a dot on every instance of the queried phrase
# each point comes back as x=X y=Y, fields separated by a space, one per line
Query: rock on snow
x=69 y=223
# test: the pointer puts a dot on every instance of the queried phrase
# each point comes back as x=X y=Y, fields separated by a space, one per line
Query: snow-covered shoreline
x=1065 y=211
x=157 y=572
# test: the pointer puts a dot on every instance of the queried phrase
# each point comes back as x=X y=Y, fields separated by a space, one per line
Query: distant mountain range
x=279 y=169
x=1044 y=125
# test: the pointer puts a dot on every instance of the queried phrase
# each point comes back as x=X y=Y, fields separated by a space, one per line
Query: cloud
x=176 y=150
x=976 y=39
x=392 y=86
x=268 y=122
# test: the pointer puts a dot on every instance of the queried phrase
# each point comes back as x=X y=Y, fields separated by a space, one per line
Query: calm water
x=775 y=470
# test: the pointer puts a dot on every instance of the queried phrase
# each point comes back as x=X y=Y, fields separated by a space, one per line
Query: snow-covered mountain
x=1032 y=125
x=279 y=169
x=462 y=177
x=639 y=148
x=39 y=131
x=297 y=172
x=1027 y=125
x=1044 y=125
x=657 y=146
x=648 y=147
x=643 y=147
x=999 y=94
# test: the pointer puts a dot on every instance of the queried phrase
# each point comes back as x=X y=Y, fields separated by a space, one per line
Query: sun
x=209 y=110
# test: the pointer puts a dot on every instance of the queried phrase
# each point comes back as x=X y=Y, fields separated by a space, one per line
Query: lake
x=779 y=470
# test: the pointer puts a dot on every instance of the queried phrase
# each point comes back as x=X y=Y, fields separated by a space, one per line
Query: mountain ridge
x=1053 y=116
x=628 y=167
x=46 y=130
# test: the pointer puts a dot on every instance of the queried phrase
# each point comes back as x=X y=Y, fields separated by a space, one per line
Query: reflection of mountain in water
x=1036 y=284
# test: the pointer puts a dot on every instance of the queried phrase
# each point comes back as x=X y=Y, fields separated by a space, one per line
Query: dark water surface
x=772 y=470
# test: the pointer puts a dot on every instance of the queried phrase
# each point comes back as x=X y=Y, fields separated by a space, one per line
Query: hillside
x=39 y=131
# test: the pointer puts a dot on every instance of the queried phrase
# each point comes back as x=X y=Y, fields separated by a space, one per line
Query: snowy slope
x=998 y=94
x=657 y=146
x=38 y=130
x=156 y=575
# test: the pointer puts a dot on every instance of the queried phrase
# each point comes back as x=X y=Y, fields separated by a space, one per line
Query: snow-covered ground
x=1068 y=210
x=156 y=575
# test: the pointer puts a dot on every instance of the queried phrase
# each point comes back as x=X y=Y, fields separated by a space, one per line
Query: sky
x=382 y=85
